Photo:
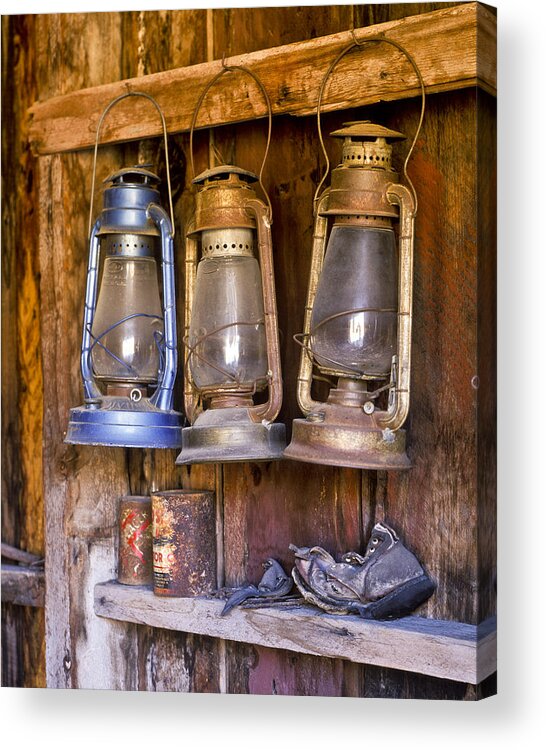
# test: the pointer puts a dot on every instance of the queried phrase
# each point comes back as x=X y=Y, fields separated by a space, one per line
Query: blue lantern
x=129 y=354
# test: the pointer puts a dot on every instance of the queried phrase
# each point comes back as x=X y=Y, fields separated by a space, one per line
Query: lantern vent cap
x=137 y=175
x=225 y=171
x=366 y=129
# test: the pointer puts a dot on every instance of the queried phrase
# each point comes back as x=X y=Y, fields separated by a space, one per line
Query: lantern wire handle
x=226 y=69
x=164 y=126
x=357 y=43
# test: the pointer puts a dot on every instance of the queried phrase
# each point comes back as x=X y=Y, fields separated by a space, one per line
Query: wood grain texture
x=435 y=504
x=81 y=484
x=255 y=496
x=416 y=644
x=443 y=43
x=22 y=401
x=84 y=483
x=19 y=555
x=268 y=506
x=23 y=586
x=13 y=669
x=486 y=382
x=262 y=507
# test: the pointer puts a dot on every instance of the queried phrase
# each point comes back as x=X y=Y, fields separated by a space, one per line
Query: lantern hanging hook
x=227 y=69
x=411 y=60
x=150 y=98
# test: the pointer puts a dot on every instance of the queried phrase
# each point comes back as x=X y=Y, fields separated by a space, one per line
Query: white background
x=516 y=717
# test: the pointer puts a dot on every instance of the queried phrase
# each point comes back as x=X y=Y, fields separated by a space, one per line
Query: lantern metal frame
x=233 y=428
x=348 y=429
x=133 y=421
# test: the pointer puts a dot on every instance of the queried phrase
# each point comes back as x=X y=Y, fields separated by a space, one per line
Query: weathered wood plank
x=24 y=586
x=13 y=671
x=445 y=506
x=22 y=401
x=56 y=569
x=436 y=511
x=84 y=483
x=486 y=382
x=169 y=661
x=21 y=364
x=438 y=648
x=444 y=44
x=267 y=506
x=81 y=484
x=435 y=505
x=19 y=555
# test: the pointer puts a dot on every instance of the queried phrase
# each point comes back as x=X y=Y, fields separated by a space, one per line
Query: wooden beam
x=444 y=43
x=449 y=650
x=19 y=555
x=21 y=585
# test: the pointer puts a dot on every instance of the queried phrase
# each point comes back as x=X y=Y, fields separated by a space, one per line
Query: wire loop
x=227 y=69
x=164 y=126
x=302 y=339
x=159 y=341
x=193 y=351
x=409 y=57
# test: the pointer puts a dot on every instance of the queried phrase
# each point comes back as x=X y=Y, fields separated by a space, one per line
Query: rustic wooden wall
x=22 y=400
x=437 y=507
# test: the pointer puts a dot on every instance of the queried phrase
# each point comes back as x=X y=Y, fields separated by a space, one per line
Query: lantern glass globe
x=128 y=321
x=354 y=317
x=227 y=334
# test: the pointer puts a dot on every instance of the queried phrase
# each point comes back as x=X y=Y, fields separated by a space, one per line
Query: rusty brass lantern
x=357 y=329
x=233 y=386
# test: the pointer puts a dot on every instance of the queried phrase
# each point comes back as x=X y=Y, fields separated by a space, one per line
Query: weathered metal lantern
x=357 y=325
x=231 y=330
x=129 y=355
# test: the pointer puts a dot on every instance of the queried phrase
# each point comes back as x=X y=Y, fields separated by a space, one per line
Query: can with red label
x=184 y=542
x=135 y=540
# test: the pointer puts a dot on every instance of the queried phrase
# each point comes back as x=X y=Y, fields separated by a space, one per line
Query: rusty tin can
x=135 y=540
x=184 y=543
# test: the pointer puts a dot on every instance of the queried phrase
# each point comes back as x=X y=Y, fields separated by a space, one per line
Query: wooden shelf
x=454 y=48
x=450 y=650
